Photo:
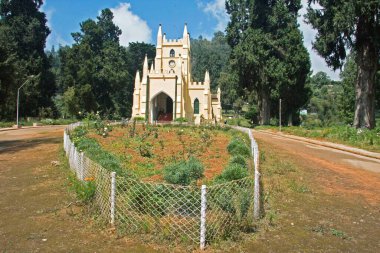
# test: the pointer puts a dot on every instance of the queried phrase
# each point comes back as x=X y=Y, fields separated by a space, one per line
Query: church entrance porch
x=162 y=108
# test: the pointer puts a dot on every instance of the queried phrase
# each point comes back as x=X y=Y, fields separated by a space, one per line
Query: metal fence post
x=203 y=218
x=113 y=189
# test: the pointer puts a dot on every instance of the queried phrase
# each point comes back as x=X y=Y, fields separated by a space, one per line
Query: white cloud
x=132 y=26
x=217 y=9
x=54 y=38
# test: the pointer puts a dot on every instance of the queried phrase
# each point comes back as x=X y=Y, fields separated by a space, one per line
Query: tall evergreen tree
x=96 y=73
x=351 y=25
x=23 y=33
x=268 y=52
x=96 y=67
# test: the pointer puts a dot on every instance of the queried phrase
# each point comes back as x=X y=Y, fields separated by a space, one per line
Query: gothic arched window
x=196 y=106
x=172 y=53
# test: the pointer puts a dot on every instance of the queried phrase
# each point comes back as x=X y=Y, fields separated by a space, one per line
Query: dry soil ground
x=334 y=205
x=37 y=213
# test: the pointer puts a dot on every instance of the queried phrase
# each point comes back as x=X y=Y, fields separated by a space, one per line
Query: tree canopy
x=23 y=33
x=268 y=53
x=96 y=73
x=353 y=25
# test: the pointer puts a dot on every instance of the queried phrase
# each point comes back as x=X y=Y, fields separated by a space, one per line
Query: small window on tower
x=172 y=53
x=196 y=106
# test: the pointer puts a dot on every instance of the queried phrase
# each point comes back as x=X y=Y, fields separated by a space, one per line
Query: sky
x=139 y=20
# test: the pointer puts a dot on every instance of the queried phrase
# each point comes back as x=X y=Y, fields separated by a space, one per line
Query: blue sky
x=139 y=20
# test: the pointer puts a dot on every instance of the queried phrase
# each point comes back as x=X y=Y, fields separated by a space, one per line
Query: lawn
x=144 y=151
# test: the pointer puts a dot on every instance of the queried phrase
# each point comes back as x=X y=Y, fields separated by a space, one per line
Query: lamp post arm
x=18 y=97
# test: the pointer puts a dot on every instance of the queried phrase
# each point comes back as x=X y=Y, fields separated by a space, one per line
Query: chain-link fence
x=185 y=214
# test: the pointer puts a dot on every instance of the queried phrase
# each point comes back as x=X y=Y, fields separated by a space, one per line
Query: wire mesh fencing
x=87 y=170
x=184 y=214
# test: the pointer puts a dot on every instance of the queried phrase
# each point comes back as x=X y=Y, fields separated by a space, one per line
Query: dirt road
x=37 y=213
x=333 y=204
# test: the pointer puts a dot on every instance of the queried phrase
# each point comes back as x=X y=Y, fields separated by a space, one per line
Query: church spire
x=159 y=36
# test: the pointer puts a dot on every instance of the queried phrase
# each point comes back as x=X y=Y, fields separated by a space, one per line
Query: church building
x=166 y=90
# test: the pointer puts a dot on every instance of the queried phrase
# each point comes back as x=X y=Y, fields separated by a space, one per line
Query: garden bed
x=144 y=151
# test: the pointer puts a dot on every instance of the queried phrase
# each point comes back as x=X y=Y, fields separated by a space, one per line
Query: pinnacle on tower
x=145 y=70
x=151 y=68
x=159 y=36
x=137 y=79
x=185 y=33
x=159 y=31
x=145 y=66
x=207 y=78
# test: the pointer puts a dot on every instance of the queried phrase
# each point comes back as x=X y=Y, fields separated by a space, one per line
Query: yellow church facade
x=166 y=91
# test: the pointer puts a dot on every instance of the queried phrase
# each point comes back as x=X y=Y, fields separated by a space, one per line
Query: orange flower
x=89 y=179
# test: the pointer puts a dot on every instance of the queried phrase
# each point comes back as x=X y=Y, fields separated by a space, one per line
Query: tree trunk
x=367 y=61
x=290 y=119
x=264 y=106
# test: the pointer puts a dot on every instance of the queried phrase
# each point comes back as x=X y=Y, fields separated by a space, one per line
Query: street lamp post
x=18 y=98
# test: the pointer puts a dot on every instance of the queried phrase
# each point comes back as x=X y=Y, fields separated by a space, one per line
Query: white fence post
x=113 y=189
x=82 y=165
x=203 y=218
x=256 y=197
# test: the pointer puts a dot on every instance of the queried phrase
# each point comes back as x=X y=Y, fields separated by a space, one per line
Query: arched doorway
x=162 y=108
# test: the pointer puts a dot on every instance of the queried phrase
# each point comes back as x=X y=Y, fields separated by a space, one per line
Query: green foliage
x=233 y=171
x=238 y=159
x=238 y=147
x=209 y=55
x=239 y=122
x=95 y=152
x=324 y=103
x=184 y=172
x=23 y=33
x=98 y=70
x=149 y=199
x=361 y=138
x=139 y=119
x=268 y=53
x=85 y=191
x=350 y=25
x=252 y=114
x=181 y=120
x=346 y=101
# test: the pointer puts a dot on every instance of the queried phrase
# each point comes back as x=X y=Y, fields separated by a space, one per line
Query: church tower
x=166 y=91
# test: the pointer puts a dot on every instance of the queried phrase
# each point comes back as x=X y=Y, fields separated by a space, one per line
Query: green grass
x=6 y=124
x=361 y=138
x=240 y=121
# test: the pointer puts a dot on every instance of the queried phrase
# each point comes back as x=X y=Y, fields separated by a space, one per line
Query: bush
x=232 y=172
x=181 y=120
x=238 y=147
x=139 y=119
x=183 y=172
x=311 y=121
x=85 y=191
x=238 y=159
